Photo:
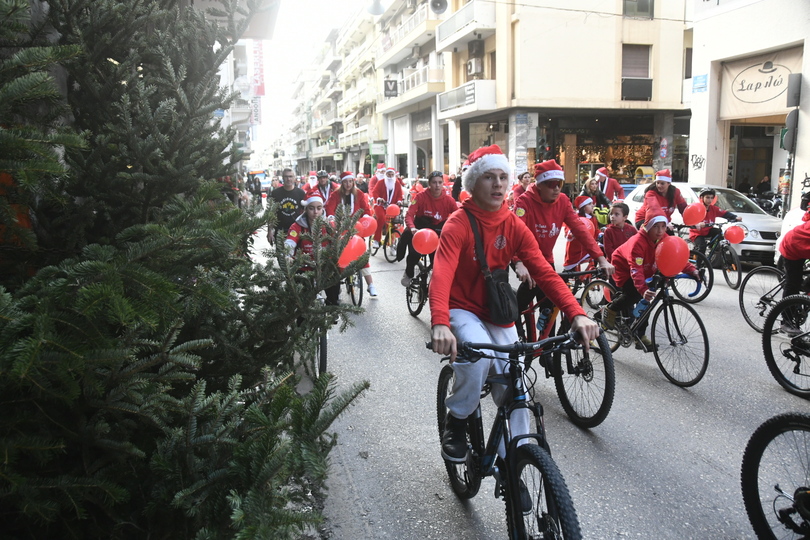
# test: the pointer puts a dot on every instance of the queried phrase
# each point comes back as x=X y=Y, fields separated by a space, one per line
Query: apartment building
x=749 y=57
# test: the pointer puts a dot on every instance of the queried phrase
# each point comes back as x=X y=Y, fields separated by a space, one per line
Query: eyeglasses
x=551 y=184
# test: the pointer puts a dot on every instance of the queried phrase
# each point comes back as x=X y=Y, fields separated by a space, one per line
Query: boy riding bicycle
x=702 y=234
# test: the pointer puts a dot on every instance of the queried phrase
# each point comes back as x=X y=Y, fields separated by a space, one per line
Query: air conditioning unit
x=475 y=66
x=771 y=131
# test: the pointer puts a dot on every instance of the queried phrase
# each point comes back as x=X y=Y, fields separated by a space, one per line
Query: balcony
x=240 y=112
x=476 y=20
x=356 y=137
x=324 y=150
x=634 y=89
x=424 y=83
x=354 y=99
x=356 y=60
x=467 y=100
x=398 y=45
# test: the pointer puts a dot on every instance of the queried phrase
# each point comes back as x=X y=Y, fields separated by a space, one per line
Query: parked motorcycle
x=769 y=201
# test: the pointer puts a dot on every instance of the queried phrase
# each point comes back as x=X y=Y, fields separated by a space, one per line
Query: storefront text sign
x=750 y=87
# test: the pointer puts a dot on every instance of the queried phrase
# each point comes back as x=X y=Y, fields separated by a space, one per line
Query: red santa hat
x=664 y=175
x=548 y=170
x=390 y=169
x=582 y=200
x=602 y=172
x=482 y=160
x=465 y=165
x=654 y=215
x=312 y=198
x=346 y=176
x=359 y=175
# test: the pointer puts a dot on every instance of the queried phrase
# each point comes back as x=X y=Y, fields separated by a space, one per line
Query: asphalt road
x=665 y=464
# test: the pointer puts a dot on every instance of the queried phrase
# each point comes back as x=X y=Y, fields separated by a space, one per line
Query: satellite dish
x=438 y=6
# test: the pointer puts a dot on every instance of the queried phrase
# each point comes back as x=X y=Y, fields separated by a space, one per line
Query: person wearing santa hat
x=544 y=210
x=661 y=194
x=611 y=187
x=295 y=242
x=361 y=183
x=635 y=263
x=575 y=251
x=388 y=191
x=325 y=186
x=379 y=174
x=458 y=294
x=353 y=201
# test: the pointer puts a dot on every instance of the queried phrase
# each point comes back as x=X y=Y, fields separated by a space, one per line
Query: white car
x=761 y=229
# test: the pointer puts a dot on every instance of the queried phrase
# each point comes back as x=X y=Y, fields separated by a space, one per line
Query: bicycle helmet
x=435 y=173
x=322 y=173
x=706 y=191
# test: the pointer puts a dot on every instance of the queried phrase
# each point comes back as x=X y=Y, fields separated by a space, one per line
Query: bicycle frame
x=662 y=295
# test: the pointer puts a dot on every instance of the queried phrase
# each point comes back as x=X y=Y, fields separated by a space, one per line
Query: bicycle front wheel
x=371 y=247
x=685 y=288
x=465 y=478
x=760 y=291
x=595 y=297
x=680 y=343
x=586 y=383
x=730 y=263
x=416 y=292
x=774 y=477
x=538 y=504
x=355 y=285
x=390 y=245
x=786 y=344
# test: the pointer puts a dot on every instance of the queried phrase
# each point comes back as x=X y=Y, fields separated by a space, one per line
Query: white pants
x=471 y=376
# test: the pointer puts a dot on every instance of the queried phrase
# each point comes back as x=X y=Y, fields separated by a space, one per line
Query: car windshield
x=733 y=201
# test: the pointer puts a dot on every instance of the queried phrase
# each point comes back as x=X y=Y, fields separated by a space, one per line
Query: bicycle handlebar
x=566 y=341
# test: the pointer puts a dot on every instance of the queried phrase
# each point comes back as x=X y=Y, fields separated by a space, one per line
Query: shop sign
x=757 y=86
x=378 y=149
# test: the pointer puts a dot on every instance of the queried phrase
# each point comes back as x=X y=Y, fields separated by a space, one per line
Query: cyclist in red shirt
x=662 y=194
x=458 y=295
x=575 y=252
x=429 y=209
x=386 y=192
x=619 y=231
x=324 y=186
x=703 y=233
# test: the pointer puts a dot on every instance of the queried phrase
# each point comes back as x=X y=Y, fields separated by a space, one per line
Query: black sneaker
x=526 y=504
x=454 y=439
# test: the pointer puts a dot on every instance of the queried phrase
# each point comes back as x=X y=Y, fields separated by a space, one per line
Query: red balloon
x=734 y=234
x=392 y=210
x=369 y=225
x=355 y=247
x=463 y=196
x=588 y=223
x=694 y=214
x=671 y=255
x=425 y=241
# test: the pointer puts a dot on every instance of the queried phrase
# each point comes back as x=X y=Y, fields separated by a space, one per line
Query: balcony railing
x=354 y=138
x=389 y=40
x=478 y=95
x=477 y=17
x=634 y=89
x=421 y=76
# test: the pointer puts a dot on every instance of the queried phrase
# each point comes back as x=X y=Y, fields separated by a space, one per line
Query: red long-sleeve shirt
x=545 y=220
x=712 y=213
x=574 y=249
x=381 y=192
x=653 y=198
x=795 y=245
x=457 y=281
x=425 y=206
x=614 y=237
x=357 y=199
x=325 y=191
x=635 y=260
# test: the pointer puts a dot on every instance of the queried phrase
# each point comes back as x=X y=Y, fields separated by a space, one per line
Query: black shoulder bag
x=503 y=306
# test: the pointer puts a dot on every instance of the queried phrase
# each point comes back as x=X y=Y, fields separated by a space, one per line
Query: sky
x=301 y=28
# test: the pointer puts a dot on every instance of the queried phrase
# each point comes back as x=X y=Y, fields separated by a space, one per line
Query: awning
x=350 y=116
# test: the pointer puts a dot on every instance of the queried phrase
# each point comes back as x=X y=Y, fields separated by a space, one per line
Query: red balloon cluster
x=734 y=234
x=355 y=247
x=392 y=210
x=425 y=241
x=694 y=214
x=671 y=255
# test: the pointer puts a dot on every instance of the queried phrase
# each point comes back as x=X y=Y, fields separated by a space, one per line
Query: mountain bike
x=538 y=504
x=684 y=286
x=354 y=288
x=721 y=255
x=390 y=238
x=416 y=294
x=786 y=344
x=774 y=477
x=679 y=339
x=759 y=292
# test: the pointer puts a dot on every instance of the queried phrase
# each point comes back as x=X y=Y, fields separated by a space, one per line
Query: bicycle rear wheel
x=586 y=383
x=465 y=478
x=730 y=263
x=775 y=468
x=390 y=245
x=354 y=284
x=416 y=292
x=786 y=344
x=594 y=300
x=684 y=287
x=759 y=292
x=545 y=508
x=373 y=250
x=680 y=343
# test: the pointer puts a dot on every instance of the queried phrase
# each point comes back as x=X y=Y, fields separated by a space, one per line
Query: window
x=642 y=9
x=636 y=61
x=687 y=72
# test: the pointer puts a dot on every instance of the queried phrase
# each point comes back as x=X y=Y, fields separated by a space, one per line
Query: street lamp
x=376 y=8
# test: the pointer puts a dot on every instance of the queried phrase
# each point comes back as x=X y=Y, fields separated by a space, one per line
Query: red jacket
x=612 y=189
x=381 y=192
x=652 y=197
x=359 y=201
x=574 y=249
x=545 y=220
x=635 y=260
x=712 y=213
x=424 y=205
x=615 y=237
x=331 y=187
x=795 y=244
x=457 y=281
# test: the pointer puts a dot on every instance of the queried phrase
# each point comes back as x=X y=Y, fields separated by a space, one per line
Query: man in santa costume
x=609 y=186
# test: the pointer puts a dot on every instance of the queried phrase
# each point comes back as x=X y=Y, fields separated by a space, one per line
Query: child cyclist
x=635 y=262
x=575 y=251
x=703 y=233
x=619 y=231
x=458 y=293
x=313 y=209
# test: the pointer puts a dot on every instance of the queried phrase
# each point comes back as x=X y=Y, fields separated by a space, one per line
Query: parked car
x=761 y=229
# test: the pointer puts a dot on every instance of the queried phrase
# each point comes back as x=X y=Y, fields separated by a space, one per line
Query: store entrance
x=750 y=155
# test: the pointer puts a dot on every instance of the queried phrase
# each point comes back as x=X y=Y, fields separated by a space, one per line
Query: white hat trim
x=663 y=178
x=586 y=202
x=550 y=175
x=653 y=221
x=481 y=165
x=311 y=199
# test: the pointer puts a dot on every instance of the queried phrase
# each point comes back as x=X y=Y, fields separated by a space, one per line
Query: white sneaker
x=376 y=246
x=372 y=290
x=406 y=281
